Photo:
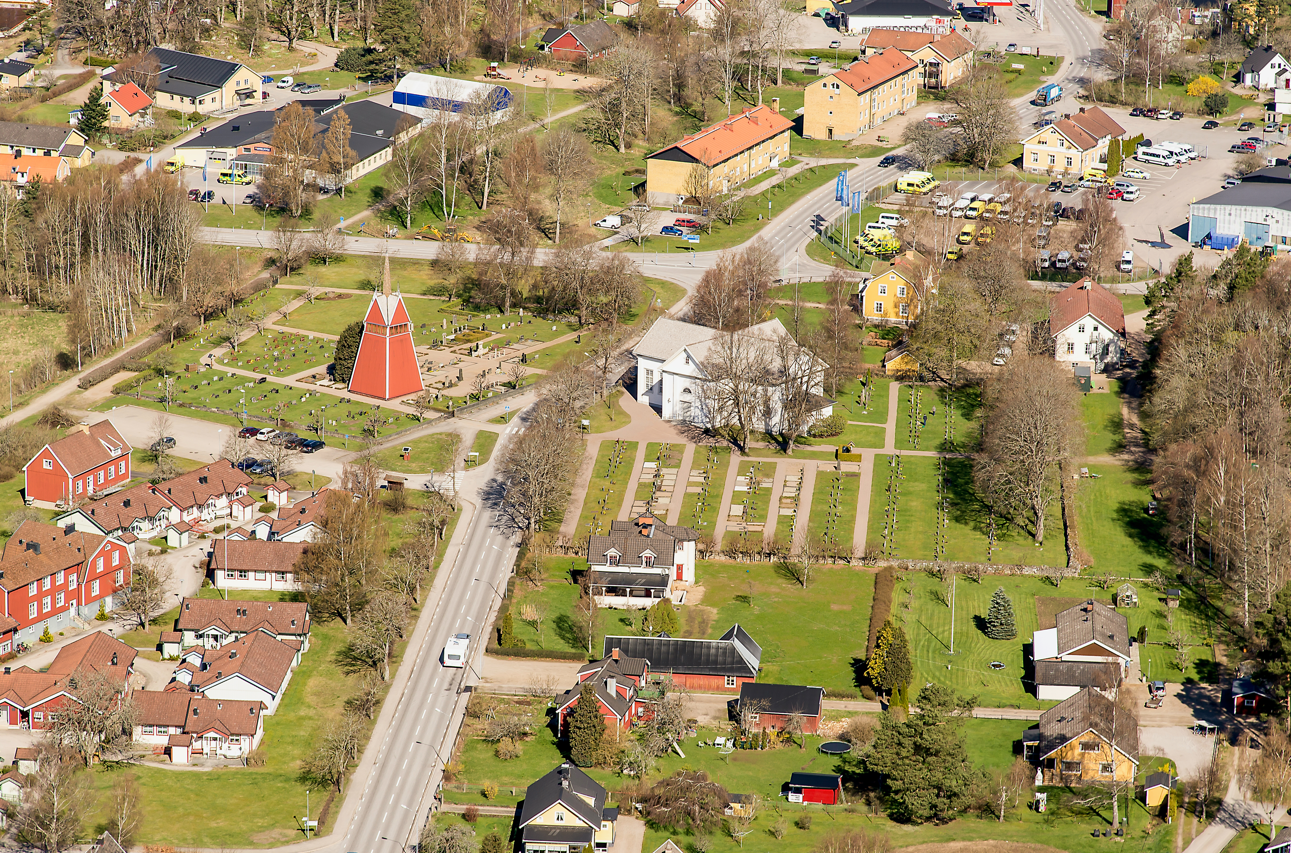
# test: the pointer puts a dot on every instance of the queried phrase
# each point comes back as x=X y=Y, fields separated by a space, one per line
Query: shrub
x=97 y=61
x=268 y=506
x=506 y=750
x=196 y=117
x=828 y=427
x=47 y=637
x=356 y=60
x=471 y=813
x=779 y=828
x=803 y=822
x=1203 y=86
x=490 y=790
x=101 y=616
x=884 y=584
x=255 y=758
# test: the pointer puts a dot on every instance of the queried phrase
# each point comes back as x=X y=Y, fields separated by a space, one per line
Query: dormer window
x=647 y=560
x=612 y=559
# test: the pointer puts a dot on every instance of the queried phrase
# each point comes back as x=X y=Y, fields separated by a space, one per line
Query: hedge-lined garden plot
x=750 y=500
x=704 y=486
x=971 y=532
x=610 y=481
x=657 y=482
x=278 y=353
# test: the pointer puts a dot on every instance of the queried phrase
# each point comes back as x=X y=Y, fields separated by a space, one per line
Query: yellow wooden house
x=900 y=363
x=1071 y=145
x=565 y=812
x=1084 y=740
x=1156 y=789
x=895 y=290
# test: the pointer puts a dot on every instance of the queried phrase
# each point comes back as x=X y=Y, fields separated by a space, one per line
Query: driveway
x=1184 y=705
x=1191 y=753
x=629 y=835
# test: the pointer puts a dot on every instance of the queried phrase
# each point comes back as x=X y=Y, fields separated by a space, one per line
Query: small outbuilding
x=1251 y=697
x=823 y=788
x=1281 y=842
x=1127 y=596
x=1156 y=789
x=774 y=706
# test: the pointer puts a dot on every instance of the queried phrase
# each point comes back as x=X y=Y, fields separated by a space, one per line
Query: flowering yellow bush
x=1203 y=86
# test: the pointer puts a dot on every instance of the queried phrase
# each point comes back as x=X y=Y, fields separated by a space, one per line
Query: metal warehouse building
x=423 y=95
x=1257 y=210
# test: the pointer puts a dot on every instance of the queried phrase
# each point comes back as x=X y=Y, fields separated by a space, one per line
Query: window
x=98 y=564
x=1068 y=161
x=39 y=715
x=1095 y=328
x=1035 y=157
x=147 y=730
x=647 y=560
x=901 y=291
x=58 y=579
x=1052 y=160
x=49 y=464
x=1071 y=767
x=261 y=576
x=58 y=599
x=78 y=487
x=878 y=307
x=100 y=478
x=1081 y=328
x=648 y=379
x=1249 y=703
x=31 y=588
x=904 y=309
x=883 y=290
x=1090 y=746
x=1086 y=349
x=31 y=610
x=94 y=588
x=228 y=574
x=1071 y=348
x=730 y=681
x=121 y=467
x=1106 y=768
x=111 y=472
x=45 y=605
x=71 y=581
x=120 y=576
x=280 y=576
x=45 y=581
x=243 y=574
x=560 y=817
x=116 y=558
x=613 y=559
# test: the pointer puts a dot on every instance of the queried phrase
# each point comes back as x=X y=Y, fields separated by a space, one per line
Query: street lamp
x=490 y=583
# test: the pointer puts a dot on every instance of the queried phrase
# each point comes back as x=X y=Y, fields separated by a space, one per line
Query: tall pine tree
x=347 y=352
x=890 y=667
x=586 y=727
x=1000 y=622
x=94 y=114
x=398 y=28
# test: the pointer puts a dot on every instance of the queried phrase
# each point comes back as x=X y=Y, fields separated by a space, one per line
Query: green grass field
x=609 y=483
x=230 y=213
x=916 y=434
x=851 y=404
x=1132 y=303
x=1114 y=525
x=277 y=353
x=1104 y=426
x=485 y=441
x=966 y=536
x=808 y=291
x=699 y=508
x=833 y=509
x=436 y=452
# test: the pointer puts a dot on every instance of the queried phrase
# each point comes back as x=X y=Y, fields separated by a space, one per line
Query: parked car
x=285 y=83
x=888 y=160
x=1054 y=186
x=282 y=437
x=161 y=444
x=206 y=197
x=296 y=87
x=1176 y=115
x=1256 y=141
x=835 y=44
x=1151 y=112
x=262 y=466
x=266 y=79
x=686 y=222
x=266 y=434
x=1042 y=238
x=1136 y=112
x=251 y=198
x=1138 y=174
x=313 y=445
x=1069 y=187
x=1115 y=194
x=1068 y=212
x=311 y=88
x=815 y=60
x=1210 y=125
x=1012 y=47
x=1245 y=126
x=193 y=195
x=1231 y=182
x=246 y=463
x=248 y=432
x=672 y=231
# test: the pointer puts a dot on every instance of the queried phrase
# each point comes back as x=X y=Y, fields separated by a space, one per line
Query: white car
x=266 y=434
x=1138 y=174
x=286 y=83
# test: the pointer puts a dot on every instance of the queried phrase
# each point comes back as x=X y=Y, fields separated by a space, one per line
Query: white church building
x=671 y=378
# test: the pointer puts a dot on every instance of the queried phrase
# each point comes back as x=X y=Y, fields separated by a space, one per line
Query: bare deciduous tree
x=148 y=592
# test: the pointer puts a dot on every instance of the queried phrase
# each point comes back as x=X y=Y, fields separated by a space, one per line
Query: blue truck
x=1047 y=94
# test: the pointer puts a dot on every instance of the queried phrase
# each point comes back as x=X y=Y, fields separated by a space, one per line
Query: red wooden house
x=710 y=666
x=386 y=365
x=616 y=679
x=91 y=459
x=49 y=574
x=1252 y=698
x=825 y=788
x=770 y=707
x=30 y=699
x=580 y=43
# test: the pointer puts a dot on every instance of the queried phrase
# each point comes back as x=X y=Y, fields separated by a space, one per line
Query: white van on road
x=455 y=650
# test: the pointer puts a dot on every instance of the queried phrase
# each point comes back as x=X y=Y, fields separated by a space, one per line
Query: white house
x=701 y=12
x=1088 y=325
x=177 y=722
x=255 y=564
x=254 y=668
x=207 y=493
x=861 y=16
x=639 y=562
x=296 y=523
x=1260 y=69
x=671 y=378
x=141 y=512
x=1089 y=646
x=214 y=622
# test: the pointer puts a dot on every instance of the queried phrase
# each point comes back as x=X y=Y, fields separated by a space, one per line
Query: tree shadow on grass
x=967 y=507
x=569 y=633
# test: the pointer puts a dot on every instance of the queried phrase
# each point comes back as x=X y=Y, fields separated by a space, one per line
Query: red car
x=686 y=223
x=1115 y=195
x=194 y=194
x=248 y=432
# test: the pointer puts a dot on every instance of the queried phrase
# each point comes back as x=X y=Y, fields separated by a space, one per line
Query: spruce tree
x=1000 y=623
x=586 y=727
x=661 y=618
x=493 y=843
x=347 y=351
x=507 y=633
x=900 y=668
x=94 y=114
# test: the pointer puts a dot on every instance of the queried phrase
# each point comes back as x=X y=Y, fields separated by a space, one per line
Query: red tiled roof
x=686 y=5
x=158 y=708
x=96 y=652
x=24 y=687
x=952 y=45
x=26 y=753
x=257 y=657
x=302 y=512
x=1086 y=297
x=256 y=555
x=197 y=487
x=229 y=717
x=59 y=550
x=276 y=617
x=730 y=136
x=119 y=510
x=864 y=74
x=1096 y=123
x=131 y=98
x=89 y=447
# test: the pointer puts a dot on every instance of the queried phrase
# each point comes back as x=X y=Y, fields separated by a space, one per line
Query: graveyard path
x=890 y=428
x=582 y=486
x=863 y=503
x=773 y=511
x=728 y=494
x=682 y=484
x=806 y=491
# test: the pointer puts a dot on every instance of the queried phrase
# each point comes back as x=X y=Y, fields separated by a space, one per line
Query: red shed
x=1251 y=698
x=711 y=666
x=765 y=707
x=90 y=459
x=825 y=788
x=580 y=43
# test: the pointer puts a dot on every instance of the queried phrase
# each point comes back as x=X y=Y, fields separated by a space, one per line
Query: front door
x=829 y=133
x=680 y=569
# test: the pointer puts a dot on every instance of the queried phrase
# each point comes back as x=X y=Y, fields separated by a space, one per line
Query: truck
x=612 y=221
x=455 y=650
x=1047 y=94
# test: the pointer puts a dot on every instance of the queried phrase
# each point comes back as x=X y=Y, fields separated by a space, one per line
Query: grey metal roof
x=1250 y=687
x=1252 y=194
x=783 y=698
x=564 y=785
x=623 y=665
x=242 y=130
x=666 y=337
x=1059 y=673
x=537 y=833
x=1087 y=710
x=725 y=656
x=594 y=35
x=1281 y=842
x=1159 y=780
x=830 y=781
x=35 y=135
x=633 y=580
x=183 y=88
x=1093 y=622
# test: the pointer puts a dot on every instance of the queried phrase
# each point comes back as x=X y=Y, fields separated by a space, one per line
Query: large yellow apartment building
x=723 y=156
x=894 y=291
x=1070 y=145
x=861 y=96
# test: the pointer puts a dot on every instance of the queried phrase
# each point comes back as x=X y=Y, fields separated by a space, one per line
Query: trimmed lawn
x=1038 y=69
x=609 y=483
x=485 y=441
x=808 y=291
x=607 y=415
x=752 y=492
x=1250 y=840
x=966 y=535
x=990 y=742
x=1104 y=426
x=860 y=435
x=553 y=604
x=1132 y=303
x=701 y=503
x=359 y=195
x=429 y=453
x=928 y=431
x=853 y=404
x=833 y=509
x=1114 y=526
x=278 y=353
x=810 y=318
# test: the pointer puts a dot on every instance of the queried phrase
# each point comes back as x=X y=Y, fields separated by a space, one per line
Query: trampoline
x=835 y=747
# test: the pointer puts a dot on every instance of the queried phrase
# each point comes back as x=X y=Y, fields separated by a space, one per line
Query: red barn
x=580 y=43
x=615 y=680
x=824 y=788
x=90 y=459
x=386 y=366
x=49 y=574
x=709 y=666
x=1251 y=698
x=764 y=707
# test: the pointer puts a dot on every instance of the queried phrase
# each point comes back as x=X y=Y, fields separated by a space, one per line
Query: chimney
x=126 y=503
x=615 y=654
x=33 y=546
x=202 y=479
x=219 y=706
x=7 y=671
x=114 y=658
x=69 y=530
x=775 y=105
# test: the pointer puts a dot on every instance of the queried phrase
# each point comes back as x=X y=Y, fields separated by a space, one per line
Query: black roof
x=1259 y=59
x=44 y=136
x=635 y=580
x=894 y=8
x=564 y=785
x=15 y=67
x=246 y=128
x=191 y=68
x=558 y=834
x=1159 y=780
x=830 y=781
x=1077 y=673
x=553 y=33
x=372 y=127
x=783 y=698
x=734 y=654
x=1250 y=687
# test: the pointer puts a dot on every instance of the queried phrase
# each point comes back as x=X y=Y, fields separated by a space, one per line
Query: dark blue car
x=887 y=161
x=671 y=231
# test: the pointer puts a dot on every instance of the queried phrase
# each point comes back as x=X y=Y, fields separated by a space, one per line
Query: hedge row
x=544 y=654
x=884 y=585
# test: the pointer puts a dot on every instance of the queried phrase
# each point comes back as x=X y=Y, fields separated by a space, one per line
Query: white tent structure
x=424 y=95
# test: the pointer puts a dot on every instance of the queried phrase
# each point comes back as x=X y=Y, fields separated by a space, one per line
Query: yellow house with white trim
x=894 y=292
x=565 y=812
